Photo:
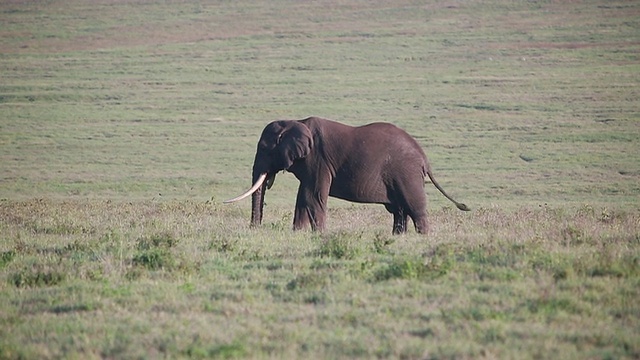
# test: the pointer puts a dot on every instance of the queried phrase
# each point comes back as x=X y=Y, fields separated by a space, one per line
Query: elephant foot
x=399 y=222
x=422 y=226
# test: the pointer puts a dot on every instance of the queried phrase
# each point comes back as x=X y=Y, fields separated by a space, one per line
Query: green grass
x=123 y=126
x=182 y=279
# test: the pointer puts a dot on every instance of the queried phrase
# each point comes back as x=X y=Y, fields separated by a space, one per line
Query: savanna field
x=125 y=124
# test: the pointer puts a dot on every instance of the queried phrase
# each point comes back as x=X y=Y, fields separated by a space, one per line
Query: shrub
x=162 y=240
x=381 y=243
x=339 y=245
x=37 y=278
x=6 y=257
x=401 y=269
x=154 y=259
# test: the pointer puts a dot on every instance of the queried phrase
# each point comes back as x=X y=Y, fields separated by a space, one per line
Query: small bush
x=223 y=244
x=339 y=246
x=381 y=243
x=162 y=240
x=154 y=259
x=313 y=280
x=6 y=257
x=402 y=268
x=37 y=278
x=441 y=261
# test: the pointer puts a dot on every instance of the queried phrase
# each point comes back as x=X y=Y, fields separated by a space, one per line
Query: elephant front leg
x=301 y=218
x=311 y=209
x=304 y=217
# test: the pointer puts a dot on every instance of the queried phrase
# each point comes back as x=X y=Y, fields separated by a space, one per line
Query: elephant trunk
x=257 y=204
x=265 y=179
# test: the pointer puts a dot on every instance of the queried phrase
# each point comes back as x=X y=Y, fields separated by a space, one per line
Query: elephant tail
x=460 y=206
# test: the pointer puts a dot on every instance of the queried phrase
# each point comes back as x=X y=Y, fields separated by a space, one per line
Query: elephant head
x=281 y=144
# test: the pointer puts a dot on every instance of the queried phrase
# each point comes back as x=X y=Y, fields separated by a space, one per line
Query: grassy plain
x=123 y=124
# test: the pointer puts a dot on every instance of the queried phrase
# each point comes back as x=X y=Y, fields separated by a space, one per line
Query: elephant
x=374 y=163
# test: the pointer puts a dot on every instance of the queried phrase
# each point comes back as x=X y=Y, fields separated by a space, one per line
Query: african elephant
x=375 y=163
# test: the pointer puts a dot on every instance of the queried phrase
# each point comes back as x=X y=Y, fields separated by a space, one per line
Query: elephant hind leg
x=421 y=223
x=399 y=219
x=416 y=207
x=399 y=222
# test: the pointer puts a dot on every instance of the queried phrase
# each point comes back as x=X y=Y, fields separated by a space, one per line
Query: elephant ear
x=295 y=143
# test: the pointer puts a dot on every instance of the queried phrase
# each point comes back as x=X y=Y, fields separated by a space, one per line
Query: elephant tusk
x=255 y=187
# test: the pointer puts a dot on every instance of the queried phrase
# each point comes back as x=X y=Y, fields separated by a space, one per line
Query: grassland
x=123 y=124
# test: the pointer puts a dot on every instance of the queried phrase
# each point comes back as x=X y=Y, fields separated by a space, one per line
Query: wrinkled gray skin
x=374 y=163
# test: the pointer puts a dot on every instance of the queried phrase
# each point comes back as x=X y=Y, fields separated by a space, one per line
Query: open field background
x=123 y=124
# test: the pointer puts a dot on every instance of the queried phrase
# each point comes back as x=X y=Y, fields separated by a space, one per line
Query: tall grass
x=111 y=279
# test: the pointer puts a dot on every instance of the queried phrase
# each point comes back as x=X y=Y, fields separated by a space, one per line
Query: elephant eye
x=279 y=138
